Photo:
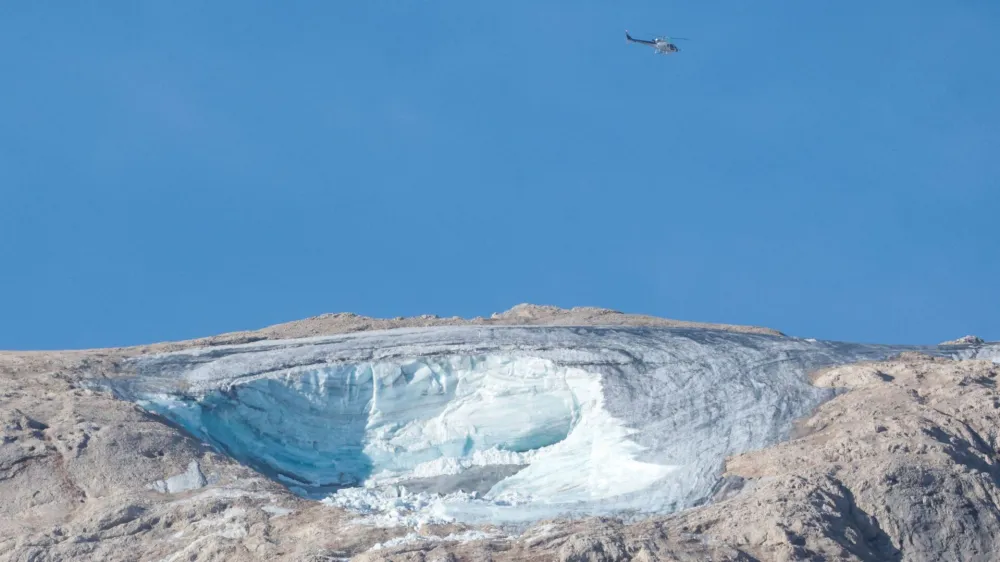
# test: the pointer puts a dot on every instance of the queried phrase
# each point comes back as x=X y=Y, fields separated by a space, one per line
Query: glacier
x=498 y=424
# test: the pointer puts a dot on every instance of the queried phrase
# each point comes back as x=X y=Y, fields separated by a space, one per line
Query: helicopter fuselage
x=665 y=47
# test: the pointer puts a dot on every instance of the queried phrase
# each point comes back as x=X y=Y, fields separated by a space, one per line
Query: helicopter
x=663 y=45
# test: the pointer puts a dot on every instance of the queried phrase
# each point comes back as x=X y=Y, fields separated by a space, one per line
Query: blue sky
x=178 y=169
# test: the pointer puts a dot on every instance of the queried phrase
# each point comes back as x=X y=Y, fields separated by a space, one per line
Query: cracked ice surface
x=500 y=423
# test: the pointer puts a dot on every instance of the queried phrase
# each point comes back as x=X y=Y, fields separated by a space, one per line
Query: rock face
x=901 y=464
x=904 y=466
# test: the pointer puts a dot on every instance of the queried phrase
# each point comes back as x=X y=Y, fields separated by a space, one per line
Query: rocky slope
x=900 y=466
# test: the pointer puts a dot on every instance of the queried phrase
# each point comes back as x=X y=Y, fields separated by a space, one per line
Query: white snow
x=276 y=510
x=445 y=466
x=394 y=506
x=414 y=426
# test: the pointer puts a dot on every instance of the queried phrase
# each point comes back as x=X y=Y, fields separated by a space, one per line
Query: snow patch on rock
x=190 y=479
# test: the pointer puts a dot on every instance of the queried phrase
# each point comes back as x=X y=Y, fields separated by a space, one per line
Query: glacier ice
x=501 y=424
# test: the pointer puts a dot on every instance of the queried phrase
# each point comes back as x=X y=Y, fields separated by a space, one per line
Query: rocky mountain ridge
x=901 y=465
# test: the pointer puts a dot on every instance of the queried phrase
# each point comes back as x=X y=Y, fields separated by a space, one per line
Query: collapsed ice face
x=430 y=423
x=338 y=425
x=495 y=424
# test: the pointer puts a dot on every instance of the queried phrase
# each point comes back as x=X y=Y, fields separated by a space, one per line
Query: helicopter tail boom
x=630 y=39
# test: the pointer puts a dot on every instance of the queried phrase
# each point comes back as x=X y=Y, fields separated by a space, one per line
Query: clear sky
x=179 y=169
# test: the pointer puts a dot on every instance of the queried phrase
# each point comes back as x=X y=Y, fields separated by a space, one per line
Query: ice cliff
x=498 y=423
